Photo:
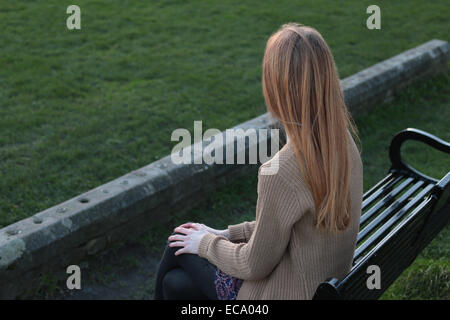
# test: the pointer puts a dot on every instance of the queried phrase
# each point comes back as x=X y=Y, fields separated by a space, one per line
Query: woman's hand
x=188 y=242
x=201 y=226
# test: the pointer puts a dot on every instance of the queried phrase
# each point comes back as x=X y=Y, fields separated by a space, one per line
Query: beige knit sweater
x=282 y=255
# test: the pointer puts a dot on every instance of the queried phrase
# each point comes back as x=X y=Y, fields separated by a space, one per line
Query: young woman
x=307 y=214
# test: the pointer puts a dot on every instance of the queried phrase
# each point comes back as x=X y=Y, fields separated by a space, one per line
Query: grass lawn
x=80 y=108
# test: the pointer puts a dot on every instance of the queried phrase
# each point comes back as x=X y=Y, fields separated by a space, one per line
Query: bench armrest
x=328 y=290
x=418 y=135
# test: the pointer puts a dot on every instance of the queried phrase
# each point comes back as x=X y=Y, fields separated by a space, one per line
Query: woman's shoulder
x=283 y=167
x=281 y=178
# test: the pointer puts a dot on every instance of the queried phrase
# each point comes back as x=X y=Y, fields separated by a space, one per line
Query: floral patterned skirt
x=227 y=287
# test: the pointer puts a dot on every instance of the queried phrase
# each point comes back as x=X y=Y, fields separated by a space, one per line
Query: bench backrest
x=401 y=215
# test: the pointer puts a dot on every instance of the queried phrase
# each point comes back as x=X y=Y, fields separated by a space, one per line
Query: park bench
x=401 y=214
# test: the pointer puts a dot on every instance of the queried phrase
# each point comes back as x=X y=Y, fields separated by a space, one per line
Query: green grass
x=80 y=108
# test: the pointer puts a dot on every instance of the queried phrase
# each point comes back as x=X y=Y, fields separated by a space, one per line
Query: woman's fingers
x=187 y=225
x=176 y=244
x=183 y=230
x=177 y=237
x=181 y=251
x=192 y=225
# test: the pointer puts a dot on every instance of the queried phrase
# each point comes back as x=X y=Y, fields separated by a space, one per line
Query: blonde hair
x=302 y=90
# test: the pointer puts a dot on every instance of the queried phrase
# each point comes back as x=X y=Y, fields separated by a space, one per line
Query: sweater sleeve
x=278 y=209
x=241 y=232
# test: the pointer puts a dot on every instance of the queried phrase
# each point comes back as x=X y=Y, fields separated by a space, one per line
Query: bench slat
x=386 y=200
x=386 y=180
x=387 y=212
x=383 y=190
x=382 y=231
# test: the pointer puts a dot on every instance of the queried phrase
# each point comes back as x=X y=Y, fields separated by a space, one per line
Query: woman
x=307 y=214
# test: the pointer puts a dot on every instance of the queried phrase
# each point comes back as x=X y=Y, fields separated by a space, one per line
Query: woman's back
x=319 y=254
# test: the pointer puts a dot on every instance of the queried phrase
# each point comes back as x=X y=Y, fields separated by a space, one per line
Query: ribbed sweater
x=282 y=255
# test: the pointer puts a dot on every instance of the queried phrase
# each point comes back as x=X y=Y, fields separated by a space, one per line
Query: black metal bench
x=400 y=215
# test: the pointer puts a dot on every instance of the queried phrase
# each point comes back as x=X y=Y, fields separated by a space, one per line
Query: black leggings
x=184 y=277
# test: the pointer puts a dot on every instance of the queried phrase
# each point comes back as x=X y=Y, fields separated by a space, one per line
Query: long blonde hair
x=302 y=90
